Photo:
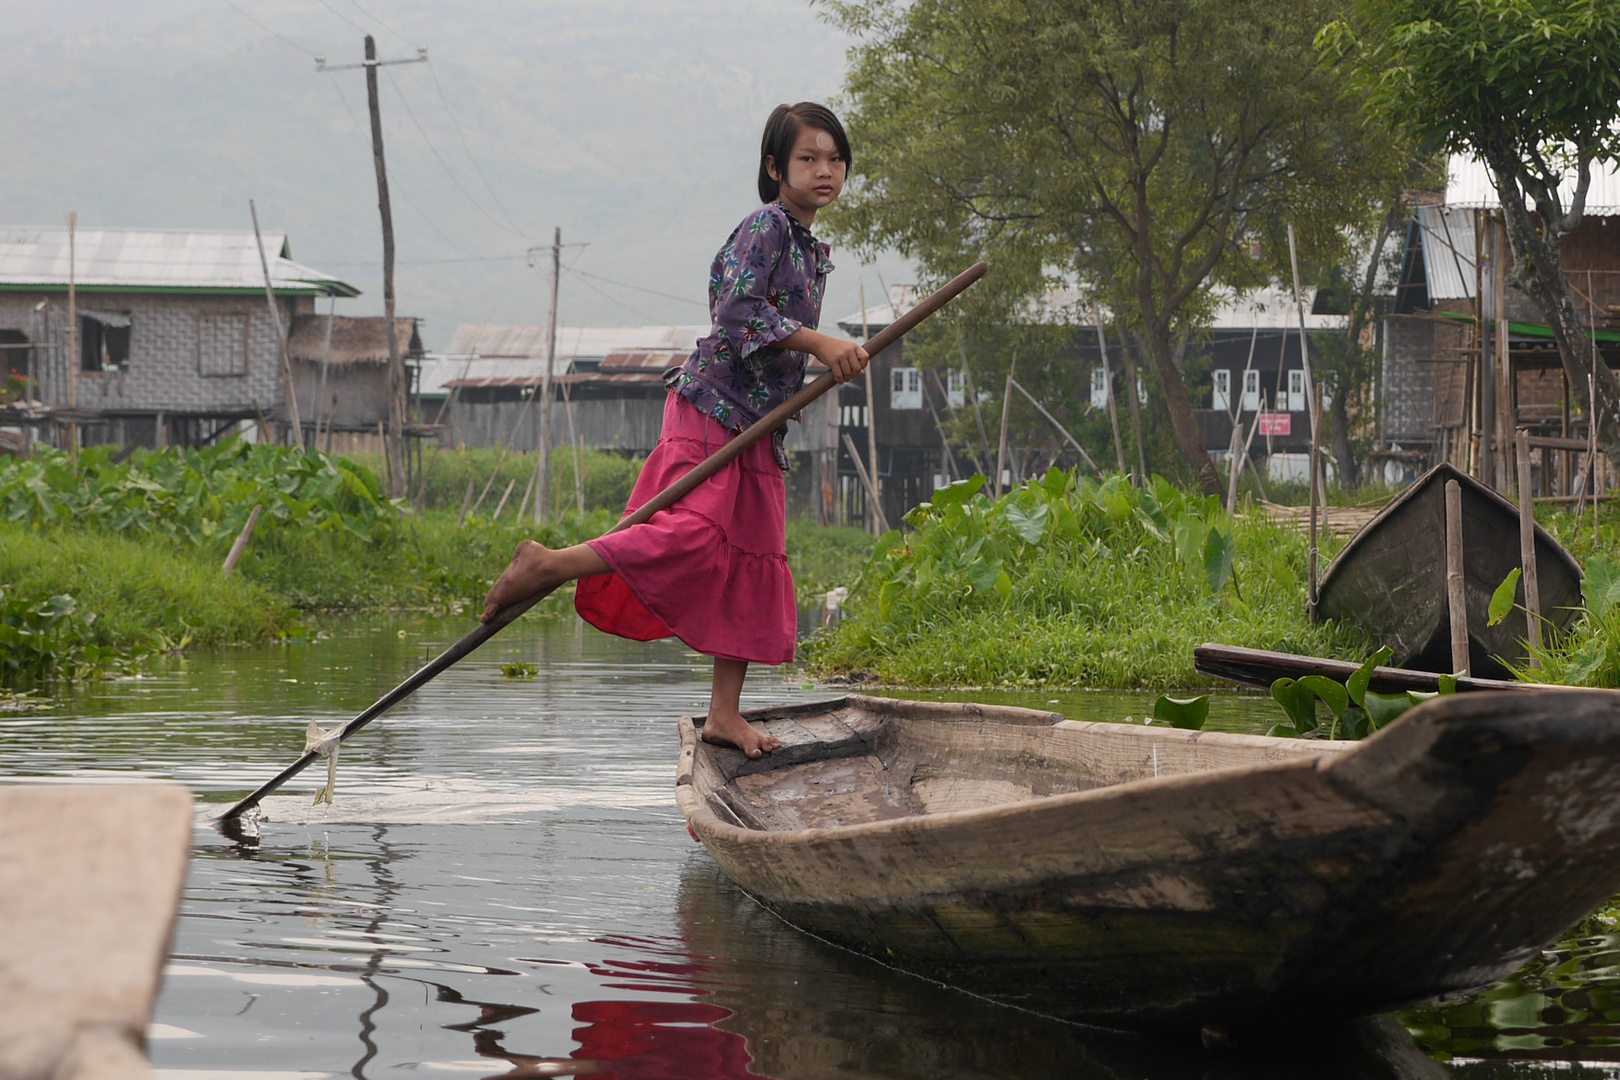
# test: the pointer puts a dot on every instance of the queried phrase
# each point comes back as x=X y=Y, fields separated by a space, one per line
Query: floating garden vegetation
x=1068 y=582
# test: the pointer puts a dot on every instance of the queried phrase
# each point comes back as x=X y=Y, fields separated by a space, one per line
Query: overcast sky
x=632 y=124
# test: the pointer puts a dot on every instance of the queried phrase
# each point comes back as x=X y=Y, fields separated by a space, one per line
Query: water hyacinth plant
x=1069 y=582
x=193 y=495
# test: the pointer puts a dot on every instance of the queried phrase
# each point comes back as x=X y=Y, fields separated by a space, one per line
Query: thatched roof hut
x=355 y=340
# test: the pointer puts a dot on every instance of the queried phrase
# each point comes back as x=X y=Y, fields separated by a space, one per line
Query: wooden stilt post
x=1006 y=404
x=1527 y=547
x=876 y=520
x=1456 y=591
x=1316 y=450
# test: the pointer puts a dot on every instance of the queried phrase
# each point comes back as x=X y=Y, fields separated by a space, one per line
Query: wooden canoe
x=1134 y=876
x=1390 y=579
x=1260 y=668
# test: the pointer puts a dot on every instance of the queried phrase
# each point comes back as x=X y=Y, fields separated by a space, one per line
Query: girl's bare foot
x=535 y=567
x=728 y=728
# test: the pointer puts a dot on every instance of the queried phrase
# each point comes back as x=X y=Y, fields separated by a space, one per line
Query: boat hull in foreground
x=1142 y=876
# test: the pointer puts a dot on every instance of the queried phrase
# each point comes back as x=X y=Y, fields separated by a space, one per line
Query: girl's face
x=815 y=174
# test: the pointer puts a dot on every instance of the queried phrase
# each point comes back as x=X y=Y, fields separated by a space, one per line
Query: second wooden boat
x=1259 y=668
x=1129 y=875
x=1390 y=579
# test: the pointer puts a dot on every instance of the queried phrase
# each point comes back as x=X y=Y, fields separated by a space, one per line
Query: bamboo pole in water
x=1456 y=591
x=662 y=501
x=1527 y=547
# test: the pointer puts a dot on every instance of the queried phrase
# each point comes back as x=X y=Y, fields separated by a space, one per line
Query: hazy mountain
x=632 y=124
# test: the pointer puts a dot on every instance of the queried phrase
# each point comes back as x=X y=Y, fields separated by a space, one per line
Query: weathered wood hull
x=1132 y=876
x=1390 y=579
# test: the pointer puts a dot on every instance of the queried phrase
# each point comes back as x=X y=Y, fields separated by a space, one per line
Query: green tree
x=1530 y=87
x=1148 y=148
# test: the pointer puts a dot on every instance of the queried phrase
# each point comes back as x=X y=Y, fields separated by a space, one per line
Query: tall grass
x=607 y=478
x=1065 y=583
x=80 y=602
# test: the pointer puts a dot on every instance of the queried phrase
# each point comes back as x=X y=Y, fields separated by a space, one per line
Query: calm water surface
x=505 y=888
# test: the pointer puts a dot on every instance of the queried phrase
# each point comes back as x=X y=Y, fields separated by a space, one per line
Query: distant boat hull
x=1390 y=579
x=1142 y=876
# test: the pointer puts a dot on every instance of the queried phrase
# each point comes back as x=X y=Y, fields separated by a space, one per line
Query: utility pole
x=542 y=486
x=394 y=435
x=395 y=440
x=73 y=329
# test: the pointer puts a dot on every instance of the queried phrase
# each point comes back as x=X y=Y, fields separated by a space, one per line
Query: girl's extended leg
x=534 y=567
x=725 y=724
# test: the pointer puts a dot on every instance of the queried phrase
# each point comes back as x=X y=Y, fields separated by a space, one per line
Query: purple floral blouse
x=766 y=283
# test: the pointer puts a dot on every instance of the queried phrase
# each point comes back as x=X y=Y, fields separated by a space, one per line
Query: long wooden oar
x=662 y=501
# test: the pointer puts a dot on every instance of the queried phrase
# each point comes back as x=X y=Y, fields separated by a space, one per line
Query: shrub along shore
x=103 y=564
x=1060 y=582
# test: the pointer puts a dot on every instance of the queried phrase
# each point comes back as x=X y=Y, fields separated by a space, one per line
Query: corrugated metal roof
x=155 y=259
x=1447 y=236
x=1468 y=185
x=529 y=342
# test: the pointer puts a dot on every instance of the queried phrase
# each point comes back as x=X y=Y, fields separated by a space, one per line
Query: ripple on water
x=504 y=888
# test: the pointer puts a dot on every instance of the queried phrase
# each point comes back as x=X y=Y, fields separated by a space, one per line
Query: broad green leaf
x=1298 y=702
x=1502 y=598
x=1187 y=713
x=1354 y=724
x=1448 y=684
x=984 y=573
x=1382 y=708
x=959 y=492
x=1332 y=693
x=1601 y=586
x=1056 y=482
x=1220 y=554
x=1356 y=685
x=1030 y=525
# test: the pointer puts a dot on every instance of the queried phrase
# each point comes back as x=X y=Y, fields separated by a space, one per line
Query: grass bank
x=103 y=563
x=1065 y=583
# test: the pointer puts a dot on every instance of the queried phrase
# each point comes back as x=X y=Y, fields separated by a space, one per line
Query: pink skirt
x=711 y=570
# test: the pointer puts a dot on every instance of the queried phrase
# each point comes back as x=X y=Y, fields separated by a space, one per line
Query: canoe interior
x=1390 y=579
x=863 y=760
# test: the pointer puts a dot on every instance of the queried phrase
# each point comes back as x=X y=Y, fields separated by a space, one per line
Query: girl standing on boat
x=712 y=570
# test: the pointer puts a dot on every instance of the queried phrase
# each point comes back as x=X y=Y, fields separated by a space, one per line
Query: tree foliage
x=1148 y=150
x=1531 y=88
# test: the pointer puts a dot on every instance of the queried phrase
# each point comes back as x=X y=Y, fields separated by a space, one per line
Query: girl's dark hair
x=782 y=131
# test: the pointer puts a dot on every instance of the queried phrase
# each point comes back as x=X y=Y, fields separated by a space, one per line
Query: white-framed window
x=1296 y=390
x=905 y=388
x=955 y=389
x=1251 y=391
x=1220 y=384
x=852 y=416
x=1099 y=388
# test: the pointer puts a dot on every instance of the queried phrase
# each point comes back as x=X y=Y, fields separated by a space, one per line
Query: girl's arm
x=846 y=359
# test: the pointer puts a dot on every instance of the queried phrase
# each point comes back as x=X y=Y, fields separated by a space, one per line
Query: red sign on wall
x=1276 y=423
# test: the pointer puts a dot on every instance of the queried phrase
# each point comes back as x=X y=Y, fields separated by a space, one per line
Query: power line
x=637 y=288
x=342 y=16
x=266 y=29
x=380 y=23
x=397 y=185
x=439 y=157
x=468 y=150
x=614 y=299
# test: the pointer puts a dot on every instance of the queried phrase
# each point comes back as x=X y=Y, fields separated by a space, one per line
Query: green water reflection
x=506 y=870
